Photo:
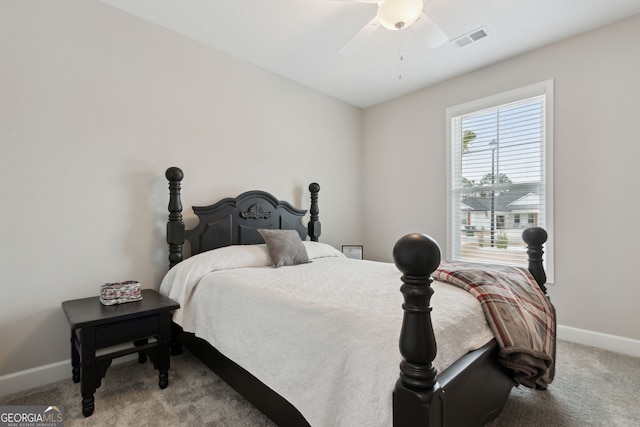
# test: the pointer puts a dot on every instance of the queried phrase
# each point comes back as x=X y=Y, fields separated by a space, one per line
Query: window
x=499 y=171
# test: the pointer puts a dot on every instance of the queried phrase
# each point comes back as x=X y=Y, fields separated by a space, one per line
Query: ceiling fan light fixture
x=399 y=14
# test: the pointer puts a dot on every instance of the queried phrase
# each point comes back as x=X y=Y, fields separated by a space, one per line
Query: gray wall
x=597 y=103
x=94 y=106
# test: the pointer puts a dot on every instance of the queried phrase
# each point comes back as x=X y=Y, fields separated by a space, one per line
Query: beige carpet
x=593 y=387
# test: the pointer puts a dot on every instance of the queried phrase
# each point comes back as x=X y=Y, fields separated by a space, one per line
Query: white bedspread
x=323 y=335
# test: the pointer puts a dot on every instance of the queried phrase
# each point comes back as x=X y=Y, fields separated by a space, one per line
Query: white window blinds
x=498 y=175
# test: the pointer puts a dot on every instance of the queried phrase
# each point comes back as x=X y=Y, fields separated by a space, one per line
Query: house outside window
x=499 y=161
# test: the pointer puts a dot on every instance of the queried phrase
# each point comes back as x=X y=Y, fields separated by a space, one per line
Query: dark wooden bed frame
x=470 y=392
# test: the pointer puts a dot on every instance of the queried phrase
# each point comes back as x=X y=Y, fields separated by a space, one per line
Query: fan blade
x=358 y=37
x=429 y=31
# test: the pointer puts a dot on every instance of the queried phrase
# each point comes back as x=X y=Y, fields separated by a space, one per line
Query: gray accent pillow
x=285 y=247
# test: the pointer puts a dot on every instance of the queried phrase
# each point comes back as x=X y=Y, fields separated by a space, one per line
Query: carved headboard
x=234 y=220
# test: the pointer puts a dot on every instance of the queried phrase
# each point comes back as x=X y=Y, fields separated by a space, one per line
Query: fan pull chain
x=400 y=26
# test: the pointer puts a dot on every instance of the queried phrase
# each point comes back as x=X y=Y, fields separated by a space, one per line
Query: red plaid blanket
x=521 y=317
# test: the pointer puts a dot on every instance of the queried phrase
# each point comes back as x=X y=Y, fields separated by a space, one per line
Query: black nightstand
x=95 y=326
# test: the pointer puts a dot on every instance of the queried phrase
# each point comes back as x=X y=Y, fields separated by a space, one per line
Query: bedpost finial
x=175 y=225
x=416 y=255
x=313 y=227
x=174 y=173
x=534 y=236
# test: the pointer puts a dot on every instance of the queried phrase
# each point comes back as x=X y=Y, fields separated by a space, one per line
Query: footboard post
x=314 y=220
x=535 y=237
x=416 y=256
x=175 y=225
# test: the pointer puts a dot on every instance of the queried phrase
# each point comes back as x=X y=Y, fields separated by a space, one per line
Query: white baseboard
x=42 y=375
x=34 y=377
x=600 y=340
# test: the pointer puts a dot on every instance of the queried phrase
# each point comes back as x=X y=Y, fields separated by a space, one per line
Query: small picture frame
x=353 y=251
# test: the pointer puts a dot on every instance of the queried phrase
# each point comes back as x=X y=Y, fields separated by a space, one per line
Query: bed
x=237 y=300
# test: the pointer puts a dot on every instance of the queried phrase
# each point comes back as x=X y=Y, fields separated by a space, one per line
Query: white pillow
x=227 y=257
x=321 y=250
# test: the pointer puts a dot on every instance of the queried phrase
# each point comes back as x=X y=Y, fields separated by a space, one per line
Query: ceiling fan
x=400 y=15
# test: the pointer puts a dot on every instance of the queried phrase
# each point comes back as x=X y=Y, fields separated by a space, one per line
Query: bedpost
x=314 y=220
x=175 y=226
x=417 y=256
x=535 y=237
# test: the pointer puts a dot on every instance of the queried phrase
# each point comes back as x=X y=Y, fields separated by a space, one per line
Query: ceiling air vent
x=471 y=37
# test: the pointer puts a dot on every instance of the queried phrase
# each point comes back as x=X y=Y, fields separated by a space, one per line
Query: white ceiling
x=300 y=39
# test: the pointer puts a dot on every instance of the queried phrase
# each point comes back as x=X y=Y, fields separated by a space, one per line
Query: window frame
x=544 y=88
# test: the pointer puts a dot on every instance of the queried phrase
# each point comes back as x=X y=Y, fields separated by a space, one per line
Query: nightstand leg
x=142 y=356
x=75 y=358
x=88 y=406
x=163 y=378
x=88 y=369
x=164 y=357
